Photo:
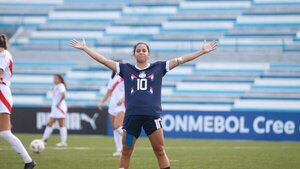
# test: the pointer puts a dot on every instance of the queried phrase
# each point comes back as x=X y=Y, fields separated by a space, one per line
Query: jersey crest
x=142 y=74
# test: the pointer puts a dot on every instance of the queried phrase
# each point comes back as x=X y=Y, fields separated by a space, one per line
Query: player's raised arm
x=98 y=57
x=206 y=48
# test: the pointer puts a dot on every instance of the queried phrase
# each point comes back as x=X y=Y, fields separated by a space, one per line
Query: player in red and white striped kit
x=58 y=111
x=6 y=102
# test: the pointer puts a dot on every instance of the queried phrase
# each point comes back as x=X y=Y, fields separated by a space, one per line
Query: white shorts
x=58 y=113
x=116 y=110
x=6 y=100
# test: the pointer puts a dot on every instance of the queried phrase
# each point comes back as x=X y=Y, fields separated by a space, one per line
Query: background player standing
x=6 y=71
x=58 y=111
x=143 y=83
x=116 y=108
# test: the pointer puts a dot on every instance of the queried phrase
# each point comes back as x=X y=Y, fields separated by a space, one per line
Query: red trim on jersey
x=133 y=76
x=11 y=67
x=116 y=84
x=63 y=112
x=1 y=81
x=151 y=76
x=5 y=102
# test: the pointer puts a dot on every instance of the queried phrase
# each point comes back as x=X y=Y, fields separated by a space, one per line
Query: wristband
x=179 y=60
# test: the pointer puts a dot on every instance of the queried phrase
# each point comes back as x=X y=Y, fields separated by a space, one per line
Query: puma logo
x=92 y=120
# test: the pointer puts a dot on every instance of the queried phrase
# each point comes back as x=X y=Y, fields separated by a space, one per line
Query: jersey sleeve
x=164 y=67
x=62 y=88
x=120 y=68
x=168 y=65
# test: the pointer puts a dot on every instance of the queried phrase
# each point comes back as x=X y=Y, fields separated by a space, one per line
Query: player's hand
x=100 y=106
x=209 y=46
x=57 y=106
x=120 y=102
x=78 y=45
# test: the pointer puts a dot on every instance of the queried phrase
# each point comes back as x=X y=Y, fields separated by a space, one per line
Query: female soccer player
x=116 y=108
x=143 y=96
x=58 y=111
x=6 y=71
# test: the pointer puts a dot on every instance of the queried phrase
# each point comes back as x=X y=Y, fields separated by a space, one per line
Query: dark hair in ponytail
x=3 y=41
x=61 y=79
x=113 y=74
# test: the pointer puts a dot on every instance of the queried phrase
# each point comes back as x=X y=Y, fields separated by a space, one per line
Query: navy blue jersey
x=143 y=88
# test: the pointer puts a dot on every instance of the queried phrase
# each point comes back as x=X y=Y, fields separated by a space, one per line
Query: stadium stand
x=257 y=65
x=203 y=86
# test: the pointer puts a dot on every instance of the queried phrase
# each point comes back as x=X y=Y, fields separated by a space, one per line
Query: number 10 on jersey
x=141 y=84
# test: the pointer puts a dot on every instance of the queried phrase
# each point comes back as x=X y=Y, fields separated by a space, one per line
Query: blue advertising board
x=278 y=126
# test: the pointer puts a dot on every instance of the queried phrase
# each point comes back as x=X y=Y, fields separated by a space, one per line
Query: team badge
x=142 y=74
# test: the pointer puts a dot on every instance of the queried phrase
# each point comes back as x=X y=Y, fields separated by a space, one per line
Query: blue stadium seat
x=260 y=29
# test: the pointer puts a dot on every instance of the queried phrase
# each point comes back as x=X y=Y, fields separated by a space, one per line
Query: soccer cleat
x=30 y=165
x=61 y=144
x=115 y=154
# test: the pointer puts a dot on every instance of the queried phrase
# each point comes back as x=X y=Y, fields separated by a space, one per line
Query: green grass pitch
x=94 y=152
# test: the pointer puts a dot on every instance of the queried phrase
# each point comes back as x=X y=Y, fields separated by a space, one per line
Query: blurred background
x=249 y=88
